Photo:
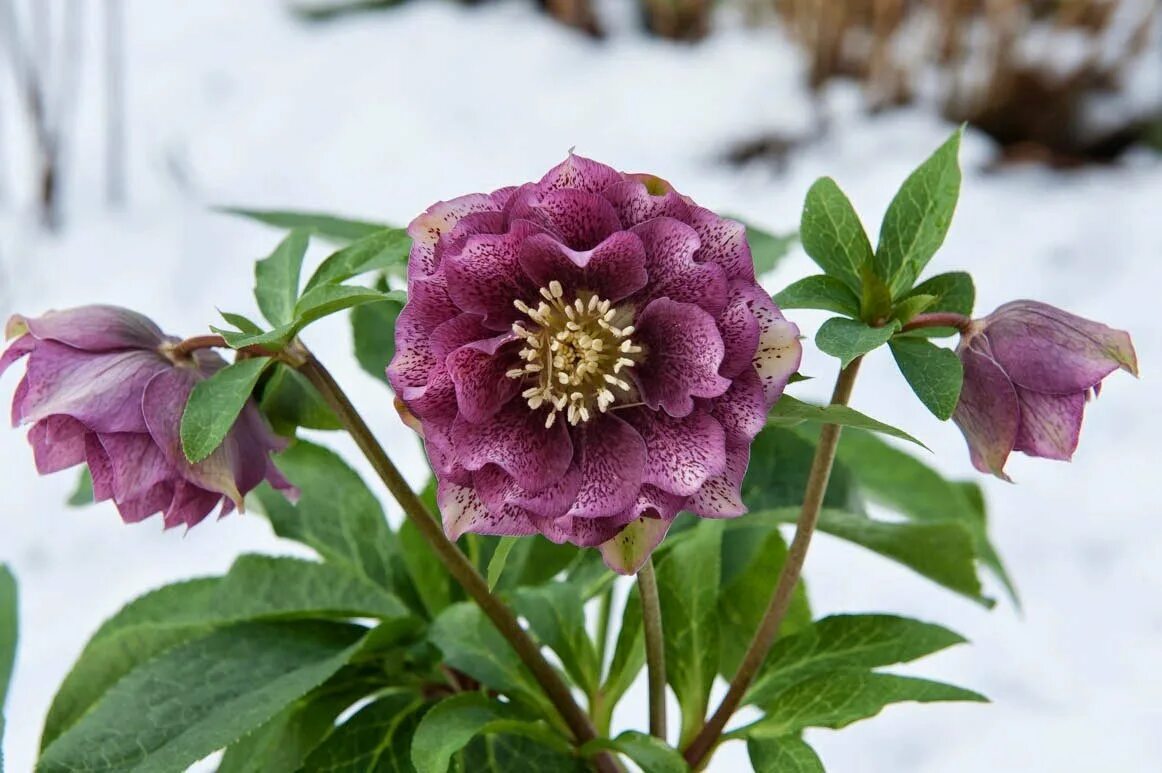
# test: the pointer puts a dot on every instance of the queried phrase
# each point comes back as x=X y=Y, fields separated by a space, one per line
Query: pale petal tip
x=16 y=326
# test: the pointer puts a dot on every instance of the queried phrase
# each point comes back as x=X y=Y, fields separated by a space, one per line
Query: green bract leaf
x=848 y=339
x=651 y=754
x=557 y=618
x=819 y=292
x=454 y=722
x=782 y=755
x=934 y=373
x=215 y=403
x=688 y=578
x=833 y=235
x=839 y=698
x=377 y=738
x=918 y=217
x=178 y=715
x=953 y=291
x=766 y=248
x=327 y=226
x=83 y=492
x=498 y=560
x=289 y=401
x=789 y=411
x=910 y=306
x=373 y=331
x=844 y=642
x=384 y=250
x=276 y=279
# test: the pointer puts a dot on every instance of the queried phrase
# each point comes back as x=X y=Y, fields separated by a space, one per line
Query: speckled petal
x=437 y=220
x=740 y=328
x=723 y=243
x=517 y=441
x=1050 y=424
x=19 y=348
x=635 y=204
x=670 y=246
x=742 y=410
x=611 y=457
x=780 y=351
x=486 y=276
x=583 y=532
x=681 y=452
x=683 y=351
x=988 y=412
x=498 y=490
x=613 y=269
x=94 y=328
x=478 y=372
x=579 y=219
x=721 y=495
x=627 y=552
x=580 y=172
x=464 y=511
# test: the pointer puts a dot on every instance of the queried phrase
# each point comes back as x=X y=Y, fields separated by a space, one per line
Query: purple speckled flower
x=1029 y=369
x=583 y=352
x=104 y=387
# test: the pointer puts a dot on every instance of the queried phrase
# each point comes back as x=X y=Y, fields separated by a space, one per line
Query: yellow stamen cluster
x=574 y=352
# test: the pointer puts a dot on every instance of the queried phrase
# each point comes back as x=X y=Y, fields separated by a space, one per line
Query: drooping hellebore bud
x=586 y=353
x=104 y=387
x=1029 y=369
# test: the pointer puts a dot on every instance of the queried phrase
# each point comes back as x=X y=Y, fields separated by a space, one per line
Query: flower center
x=575 y=352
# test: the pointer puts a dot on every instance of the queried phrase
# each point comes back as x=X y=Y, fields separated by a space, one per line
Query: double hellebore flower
x=105 y=387
x=1029 y=369
x=583 y=352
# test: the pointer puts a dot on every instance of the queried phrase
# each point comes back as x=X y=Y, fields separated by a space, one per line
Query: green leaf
x=782 y=755
x=688 y=578
x=178 y=715
x=557 y=618
x=788 y=411
x=845 y=642
x=276 y=278
x=215 y=403
x=377 y=738
x=244 y=325
x=629 y=654
x=766 y=249
x=934 y=373
x=455 y=721
x=848 y=339
x=910 y=306
x=373 y=331
x=383 y=250
x=321 y=301
x=832 y=234
x=337 y=229
x=471 y=644
x=820 y=292
x=651 y=754
x=83 y=492
x=9 y=624
x=289 y=401
x=953 y=291
x=432 y=582
x=780 y=462
x=918 y=218
x=875 y=298
x=838 y=698
x=508 y=753
x=498 y=560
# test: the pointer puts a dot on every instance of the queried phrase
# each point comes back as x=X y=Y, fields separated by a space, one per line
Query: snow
x=237 y=103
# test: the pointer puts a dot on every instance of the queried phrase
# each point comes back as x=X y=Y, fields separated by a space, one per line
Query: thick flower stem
x=454 y=560
x=699 y=749
x=938 y=319
x=647 y=583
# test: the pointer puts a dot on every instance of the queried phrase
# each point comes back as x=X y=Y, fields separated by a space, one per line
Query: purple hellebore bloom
x=584 y=353
x=104 y=387
x=1029 y=369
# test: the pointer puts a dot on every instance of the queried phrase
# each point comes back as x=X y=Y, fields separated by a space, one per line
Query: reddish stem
x=938 y=319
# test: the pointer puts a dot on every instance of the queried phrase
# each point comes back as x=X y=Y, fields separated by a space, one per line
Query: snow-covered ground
x=237 y=103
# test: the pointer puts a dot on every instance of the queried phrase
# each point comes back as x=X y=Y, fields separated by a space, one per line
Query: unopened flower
x=104 y=387
x=585 y=351
x=1029 y=369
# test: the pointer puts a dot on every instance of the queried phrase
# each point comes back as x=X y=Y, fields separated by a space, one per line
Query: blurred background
x=123 y=123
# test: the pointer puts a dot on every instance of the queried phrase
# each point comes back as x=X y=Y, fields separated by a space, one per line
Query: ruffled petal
x=635 y=202
x=721 y=495
x=742 y=410
x=136 y=463
x=464 y=511
x=611 y=457
x=613 y=269
x=498 y=490
x=428 y=307
x=516 y=439
x=583 y=532
x=20 y=347
x=779 y=352
x=93 y=328
x=456 y=332
x=1050 y=424
x=100 y=468
x=58 y=442
x=436 y=221
x=739 y=327
x=190 y=505
x=723 y=243
x=581 y=173
x=478 y=372
x=579 y=219
x=153 y=501
x=988 y=412
x=486 y=277
x=683 y=351
x=670 y=247
x=681 y=453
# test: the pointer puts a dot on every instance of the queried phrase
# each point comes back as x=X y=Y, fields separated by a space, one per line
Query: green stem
x=647 y=583
x=455 y=561
x=699 y=749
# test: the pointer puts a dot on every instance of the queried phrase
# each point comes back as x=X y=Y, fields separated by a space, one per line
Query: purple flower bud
x=104 y=387
x=1029 y=369
x=583 y=352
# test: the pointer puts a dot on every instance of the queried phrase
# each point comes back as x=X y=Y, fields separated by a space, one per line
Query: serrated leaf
x=289 y=401
x=934 y=373
x=953 y=291
x=455 y=721
x=177 y=715
x=833 y=235
x=83 y=492
x=819 y=292
x=214 y=405
x=276 y=278
x=843 y=642
x=376 y=738
x=373 y=333
x=848 y=339
x=651 y=754
x=918 y=218
x=383 y=250
x=688 y=578
x=782 y=755
x=766 y=249
x=557 y=619
x=331 y=227
x=788 y=411
x=839 y=698
x=499 y=559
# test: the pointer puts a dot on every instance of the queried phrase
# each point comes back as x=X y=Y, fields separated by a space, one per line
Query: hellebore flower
x=1029 y=369
x=583 y=352
x=105 y=387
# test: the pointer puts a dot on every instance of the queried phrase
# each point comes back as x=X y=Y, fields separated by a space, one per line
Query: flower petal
x=739 y=327
x=20 y=347
x=436 y=221
x=153 y=501
x=613 y=269
x=485 y=277
x=723 y=243
x=498 y=490
x=464 y=511
x=58 y=442
x=1050 y=424
x=580 y=172
x=580 y=219
x=95 y=328
x=583 y=532
x=681 y=453
x=780 y=352
x=683 y=351
x=627 y=552
x=721 y=495
x=611 y=457
x=478 y=373
x=136 y=463
x=742 y=410
x=988 y=412
x=190 y=505
x=635 y=203
x=670 y=246
x=428 y=307
x=516 y=439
